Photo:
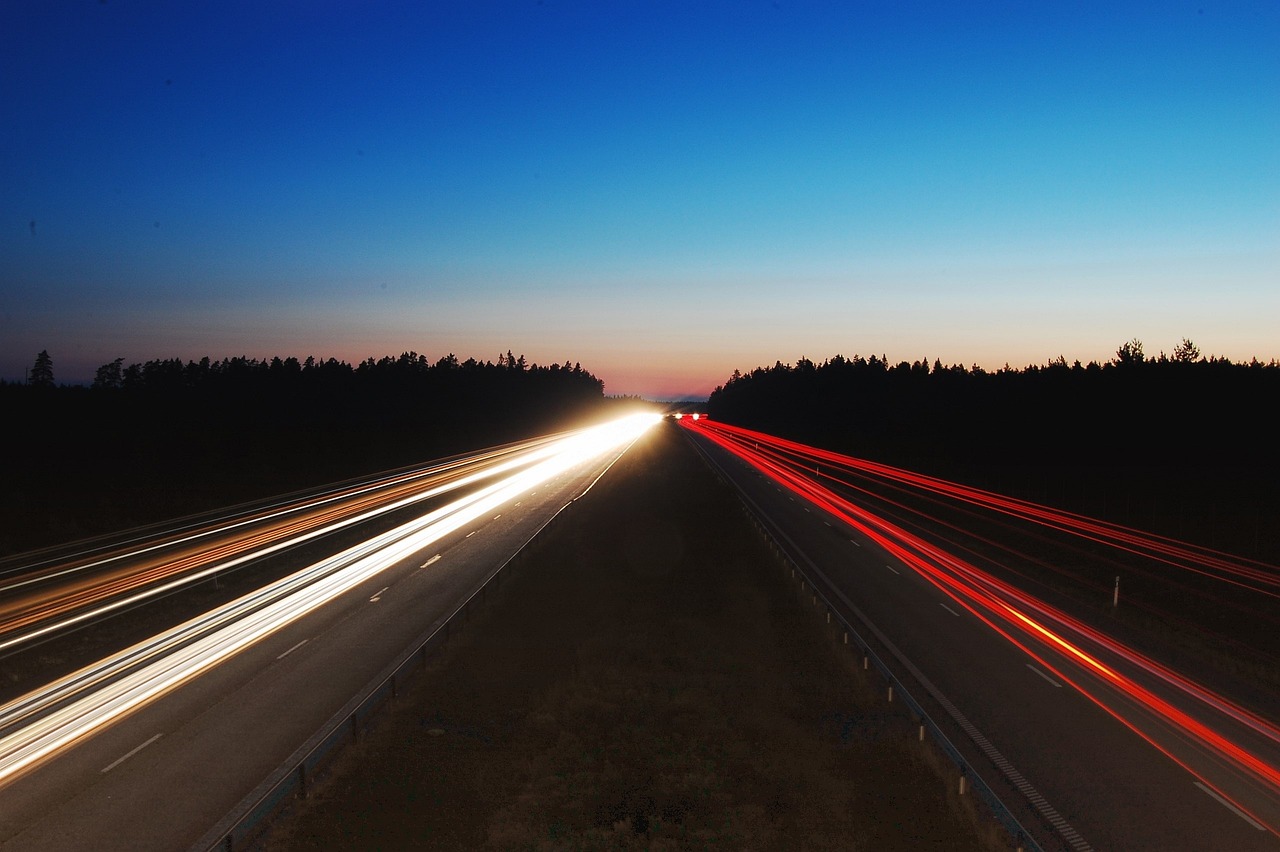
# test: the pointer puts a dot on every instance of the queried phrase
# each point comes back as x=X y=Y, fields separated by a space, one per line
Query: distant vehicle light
x=679 y=416
x=696 y=416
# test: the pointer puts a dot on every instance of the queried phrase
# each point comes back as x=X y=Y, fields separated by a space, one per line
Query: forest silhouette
x=1182 y=444
x=164 y=438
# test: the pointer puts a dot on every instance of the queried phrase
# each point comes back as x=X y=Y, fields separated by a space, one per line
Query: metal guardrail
x=247 y=819
x=898 y=689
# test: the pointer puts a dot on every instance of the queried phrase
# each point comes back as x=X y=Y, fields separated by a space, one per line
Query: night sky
x=663 y=191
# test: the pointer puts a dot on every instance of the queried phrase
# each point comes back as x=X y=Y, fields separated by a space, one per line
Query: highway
x=1091 y=744
x=150 y=747
x=50 y=595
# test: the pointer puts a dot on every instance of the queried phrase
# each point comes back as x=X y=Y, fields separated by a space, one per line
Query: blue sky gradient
x=662 y=191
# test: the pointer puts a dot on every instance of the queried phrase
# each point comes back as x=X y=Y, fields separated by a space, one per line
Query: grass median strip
x=645 y=680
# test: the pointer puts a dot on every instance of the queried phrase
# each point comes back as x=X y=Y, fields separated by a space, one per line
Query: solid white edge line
x=291 y=650
x=1045 y=676
x=1244 y=816
x=949 y=609
x=130 y=754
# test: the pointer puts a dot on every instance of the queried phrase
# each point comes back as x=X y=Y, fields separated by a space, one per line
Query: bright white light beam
x=168 y=660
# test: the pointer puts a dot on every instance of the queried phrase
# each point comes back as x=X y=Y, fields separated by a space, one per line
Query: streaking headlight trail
x=44 y=601
x=46 y=720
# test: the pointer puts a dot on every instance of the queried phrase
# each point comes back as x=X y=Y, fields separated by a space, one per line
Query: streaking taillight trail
x=1228 y=747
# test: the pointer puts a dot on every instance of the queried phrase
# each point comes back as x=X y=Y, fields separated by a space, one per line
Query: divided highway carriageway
x=150 y=746
x=1089 y=742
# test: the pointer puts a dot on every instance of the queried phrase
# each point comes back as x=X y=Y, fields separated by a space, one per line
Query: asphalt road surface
x=162 y=775
x=1073 y=774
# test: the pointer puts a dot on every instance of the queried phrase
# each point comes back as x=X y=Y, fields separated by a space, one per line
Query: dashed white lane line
x=806 y=508
x=468 y=535
x=378 y=594
x=949 y=609
x=518 y=502
x=291 y=650
x=1244 y=816
x=854 y=543
x=828 y=523
x=495 y=517
x=435 y=558
x=894 y=570
x=1045 y=676
x=130 y=754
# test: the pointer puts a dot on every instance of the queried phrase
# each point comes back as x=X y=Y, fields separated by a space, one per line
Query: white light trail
x=91 y=613
x=75 y=706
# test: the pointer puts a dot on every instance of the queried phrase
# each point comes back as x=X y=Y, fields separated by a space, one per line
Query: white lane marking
x=792 y=499
x=949 y=609
x=291 y=650
x=435 y=558
x=828 y=523
x=854 y=543
x=121 y=760
x=1045 y=676
x=1244 y=816
x=806 y=508
x=378 y=594
x=518 y=502
x=468 y=535
x=1061 y=825
x=894 y=570
x=499 y=515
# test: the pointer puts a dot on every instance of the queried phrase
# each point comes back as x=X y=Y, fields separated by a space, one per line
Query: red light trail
x=1229 y=748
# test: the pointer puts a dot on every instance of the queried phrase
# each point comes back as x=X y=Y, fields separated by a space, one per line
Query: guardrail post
x=962 y=784
x=921 y=732
x=890 y=693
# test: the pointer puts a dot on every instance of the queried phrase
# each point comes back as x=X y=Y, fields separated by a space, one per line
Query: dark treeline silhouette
x=1183 y=444
x=152 y=440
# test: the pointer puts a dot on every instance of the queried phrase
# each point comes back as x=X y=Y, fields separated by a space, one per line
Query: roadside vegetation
x=647 y=680
x=1176 y=444
x=166 y=438
x=1173 y=444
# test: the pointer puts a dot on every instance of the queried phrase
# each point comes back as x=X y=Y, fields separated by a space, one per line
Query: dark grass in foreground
x=646 y=680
